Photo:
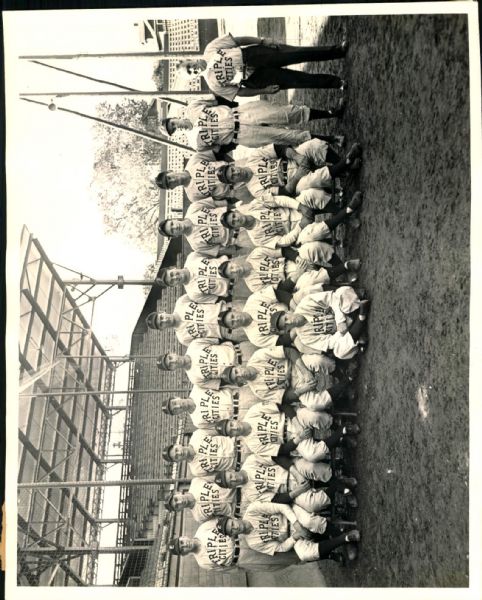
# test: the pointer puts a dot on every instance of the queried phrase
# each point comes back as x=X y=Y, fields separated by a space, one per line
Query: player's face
x=235 y=526
x=173 y=227
x=240 y=374
x=236 y=174
x=178 y=405
x=186 y=545
x=179 y=452
x=174 y=124
x=234 y=478
x=194 y=67
x=237 y=271
x=236 y=219
x=173 y=361
x=235 y=428
x=289 y=320
x=174 y=179
x=179 y=501
x=163 y=320
x=235 y=318
x=176 y=276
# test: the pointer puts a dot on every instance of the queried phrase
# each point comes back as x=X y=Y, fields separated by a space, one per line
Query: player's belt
x=235 y=125
x=285 y=430
x=237 y=503
x=239 y=354
x=238 y=455
x=283 y=171
x=235 y=404
x=235 y=552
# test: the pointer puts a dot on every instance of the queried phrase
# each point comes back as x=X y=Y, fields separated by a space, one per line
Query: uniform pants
x=318 y=471
x=315 y=523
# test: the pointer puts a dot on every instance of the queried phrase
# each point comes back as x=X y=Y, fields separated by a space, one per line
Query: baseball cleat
x=337 y=111
x=355 y=152
x=350 y=482
x=343 y=85
x=353 y=264
x=356 y=201
x=351 y=429
x=349 y=442
x=350 y=552
x=365 y=307
x=351 y=501
x=344 y=46
x=353 y=536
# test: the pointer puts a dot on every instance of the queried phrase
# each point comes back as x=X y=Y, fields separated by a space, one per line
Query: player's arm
x=269 y=200
x=288 y=497
x=247 y=40
x=248 y=92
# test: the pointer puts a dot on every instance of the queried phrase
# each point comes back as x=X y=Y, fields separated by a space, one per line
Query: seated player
x=274 y=483
x=326 y=321
x=206 y=499
x=192 y=320
x=288 y=171
x=273 y=528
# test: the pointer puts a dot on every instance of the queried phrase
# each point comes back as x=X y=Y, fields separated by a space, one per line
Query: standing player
x=249 y=66
x=206 y=499
x=192 y=320
x=210 y=124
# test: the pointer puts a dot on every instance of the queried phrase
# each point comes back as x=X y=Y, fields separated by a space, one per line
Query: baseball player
x=199 y=178
x=206 y=500
x=264 y=482
x=267 y=431
x=215 y=551
x=280 y=222
x=205 y=453
x=204 y=229
x=273 y=528
x=286 y=170
x=324 y=321
x=280 y=374
x=260 y=306
x=249 y=66
x=210 y=124
x=206 y=362
x=205 y=406
x=205 y=278
x=192 y=320
x=273 y=266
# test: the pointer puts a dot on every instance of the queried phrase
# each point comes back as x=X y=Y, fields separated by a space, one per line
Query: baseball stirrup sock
x=356 y=329
x=324 y=548
x=335 y=220
x=315 y=113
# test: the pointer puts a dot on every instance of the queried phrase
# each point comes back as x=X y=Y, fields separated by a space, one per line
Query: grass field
x=408 y=105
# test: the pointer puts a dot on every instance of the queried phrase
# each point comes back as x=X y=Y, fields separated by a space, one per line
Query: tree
x=124 y=168
x=159 y=74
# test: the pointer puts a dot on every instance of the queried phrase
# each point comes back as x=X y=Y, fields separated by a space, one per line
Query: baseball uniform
x=213 y=453
x=252 y=124
x=209 y=359
x=269 y=267
x=277 y=225
x=270 y=171
x=324 y=311
x=272 y=525
x=198 y=320
x=267 y=480
x=206 y=284
x=204 y=184
x=270 y=428
x=261 y=305
x=279 y=368
x=209 y=236
x=211 y=499
x=213 y=406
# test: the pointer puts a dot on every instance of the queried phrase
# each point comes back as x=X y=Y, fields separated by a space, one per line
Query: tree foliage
x=124 y=167
x=158 y=74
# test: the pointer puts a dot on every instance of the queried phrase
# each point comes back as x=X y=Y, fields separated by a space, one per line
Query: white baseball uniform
x=261 y=305
x=252 y=124
x=213 y=406
x=211 y=499
x=269 y=267
x=213 y=453
x=204 y=184
x=270 y=172
x=279 y=368
x=209 y=359
x=324 y=311
x=209 y=236
x=217 y=551
x=197 y=320
x=267 y=480
x=272 y=525
x=270 y=428
x=206 y=284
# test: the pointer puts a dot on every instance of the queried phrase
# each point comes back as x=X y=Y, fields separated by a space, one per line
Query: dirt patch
x=408 y=105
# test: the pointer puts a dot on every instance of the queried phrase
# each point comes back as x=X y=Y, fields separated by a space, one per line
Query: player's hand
x=297 y=476
x=302 y=264
x=300 y=532
x=304 y=487
x=302 y=435
x=271 y=89
x=306 y=211
x=342 y=328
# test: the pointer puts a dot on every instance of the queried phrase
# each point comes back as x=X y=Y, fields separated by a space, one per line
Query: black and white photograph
x=243 y=279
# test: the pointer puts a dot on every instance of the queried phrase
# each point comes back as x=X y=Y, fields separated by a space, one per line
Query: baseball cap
x=161 y=362
x=161 y=180
x=161 y=228
x=222 y=427
x=274 y=323
x=221 y=525
x=174 y=547
x=164 y=126
x=220 y=479
x=168 y=501
x=166 y=451
x=221 y=173
x=165 y=406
